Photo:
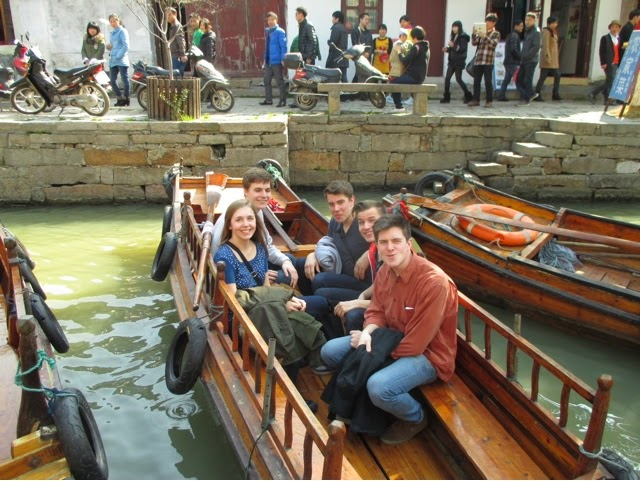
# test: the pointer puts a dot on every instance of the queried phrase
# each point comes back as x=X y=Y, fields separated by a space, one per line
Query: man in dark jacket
x=415 y=62
x=529 y=57
x=178 y=46
x=307 y=40
x=627 y=30
x=274 y=52
x=609 y=60
x=340 y=39
x=511 y=58
x=361 y=35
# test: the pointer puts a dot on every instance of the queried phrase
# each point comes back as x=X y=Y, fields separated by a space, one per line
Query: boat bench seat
x=490 y=450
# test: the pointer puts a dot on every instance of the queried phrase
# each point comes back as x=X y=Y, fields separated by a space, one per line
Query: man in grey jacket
x=529 y=57
x=175 y=35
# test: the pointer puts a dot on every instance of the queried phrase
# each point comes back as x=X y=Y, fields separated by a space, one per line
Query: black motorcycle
x=139 y=79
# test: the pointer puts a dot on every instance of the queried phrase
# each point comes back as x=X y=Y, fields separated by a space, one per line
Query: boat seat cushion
x=490 y=449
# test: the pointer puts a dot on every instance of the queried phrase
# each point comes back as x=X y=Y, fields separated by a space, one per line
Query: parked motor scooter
x=139 y=79
x=366 y=72
x=78 y=87
x=304 y=85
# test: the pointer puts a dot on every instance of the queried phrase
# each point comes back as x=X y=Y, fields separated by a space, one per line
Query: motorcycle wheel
x=378 y=99
x=305 y=101
x=222 y=99
x=27 y=100
x=143 y=97
x=103 y=99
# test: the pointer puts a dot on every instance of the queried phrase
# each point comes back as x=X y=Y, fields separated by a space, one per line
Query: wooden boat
x=31 y=447
x=601 y=299
x=483 y=424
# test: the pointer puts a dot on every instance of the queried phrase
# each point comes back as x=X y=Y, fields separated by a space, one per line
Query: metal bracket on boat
x=48 y=432
x=268 y=389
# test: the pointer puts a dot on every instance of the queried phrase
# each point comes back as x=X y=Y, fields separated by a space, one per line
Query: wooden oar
x=277 y=226
x=215 y=184
x=627 y=245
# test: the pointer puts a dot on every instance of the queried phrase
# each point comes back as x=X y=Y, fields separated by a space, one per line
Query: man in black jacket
x=609 y=60
x=340 y=39
x=307 y=40
x=415 y=62
x=627 y=30
x=511 y=58
x=529 y=57
x=361 y=35
x=175 y=35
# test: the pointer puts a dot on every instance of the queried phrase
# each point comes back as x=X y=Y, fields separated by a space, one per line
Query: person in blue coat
x=274 y=52
x=119 y=61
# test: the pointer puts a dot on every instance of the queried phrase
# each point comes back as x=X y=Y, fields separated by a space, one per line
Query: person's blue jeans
x=509 y=70
x=177 y=64
x=354 y=319
x=525 y=80
x=337 y=287
x=389 y=388
x=403 y=79
x=124 y=75
x=282 y=277
x=317 y=307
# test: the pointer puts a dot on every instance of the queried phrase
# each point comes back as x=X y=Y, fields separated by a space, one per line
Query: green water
x=94 y=262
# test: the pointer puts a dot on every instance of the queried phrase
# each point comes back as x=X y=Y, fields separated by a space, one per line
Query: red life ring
x=489 y=234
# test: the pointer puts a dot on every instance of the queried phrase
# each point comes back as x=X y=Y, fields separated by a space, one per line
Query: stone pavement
x=578 y=111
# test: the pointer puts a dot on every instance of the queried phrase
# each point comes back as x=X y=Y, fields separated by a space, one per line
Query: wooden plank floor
x=9 y=392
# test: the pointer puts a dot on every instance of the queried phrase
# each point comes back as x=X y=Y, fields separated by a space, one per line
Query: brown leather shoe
x=488 y=105
x=401 y=431
x=473 y=103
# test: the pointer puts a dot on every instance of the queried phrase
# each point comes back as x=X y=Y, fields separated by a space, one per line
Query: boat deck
x=10 y=393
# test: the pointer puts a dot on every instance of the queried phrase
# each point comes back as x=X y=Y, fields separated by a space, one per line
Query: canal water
x=94 y=262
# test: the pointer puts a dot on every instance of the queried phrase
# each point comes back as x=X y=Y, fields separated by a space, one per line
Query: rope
x=617 y=465
x=49 y=393
x=264 y=430
x=558 y=256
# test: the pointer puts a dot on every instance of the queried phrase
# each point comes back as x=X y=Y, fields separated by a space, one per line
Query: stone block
x=307 y=160
x=37 y=195
x=404 y=179
x=76 y=126
x=61 y=139
x=83 y=193
x=315 y=178
x=251 y=127
x=364 y=161
x=246 y=140
x=246 y=157
x=199 y=155
x=428 y=161
x=162 y=156
x=61 y=156
x=324 y=128
x=339 y=142
x=457 y=144
x=614 y=152
x=216 y=139
x=588 y=165
x=128 y=193
x=396 y=163
x=615 y=181
x=366 y=143
x=511 y=158
x=120 y=140
x=459 y=131
x=167 y=139
x=155 y=194
x=115 y=157
x=386 y=119
x=50 y=175
x=137 y=175
x=616 y=194
x=119 y=126
x=425 y=143
x=395 y=143
x=296 y=141
x=14 y=190
x=611 y=140
x=368 y=179
x=573 y=128
x=532 y=149
x=619 y=130
x=106 y=175
x=525 y=170
x=479 y=121
x=396 y=129
x=18 y=140
x=484 y=169
x=535 y=182
x=317 y=118
x=552 y=166
x=627 y=167
x=556 y=140
x=503 y=183
x=274 y=139
x=561 y=193
x=199 y=126
x=164 y=127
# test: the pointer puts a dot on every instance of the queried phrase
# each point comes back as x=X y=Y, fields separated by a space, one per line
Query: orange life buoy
x=489 y=234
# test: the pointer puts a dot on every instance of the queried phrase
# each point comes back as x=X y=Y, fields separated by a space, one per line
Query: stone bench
x=420 y=91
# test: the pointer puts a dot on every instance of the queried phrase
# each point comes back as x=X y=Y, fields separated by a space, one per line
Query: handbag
x=470 y=65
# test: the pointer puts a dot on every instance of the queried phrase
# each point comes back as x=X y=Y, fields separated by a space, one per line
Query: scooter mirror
x=26 y=35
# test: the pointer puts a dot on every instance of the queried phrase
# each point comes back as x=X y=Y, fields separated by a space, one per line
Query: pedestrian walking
x=627 y=30
x=457 y=49
x=194 y=33
x=529 y=58
x=382 y=47
x=549 y=60
x=415 y=62
x=274 y=52
x=178 y=46
x=340 y=39
x=207 y=42
x=511 y=58
x=307 y=43
x=119 y=60
x=362 y=36
x=609 y=60
x=93 y=44
x=486 y=43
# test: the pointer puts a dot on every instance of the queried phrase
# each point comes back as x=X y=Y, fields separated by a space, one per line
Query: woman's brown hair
x=258 y=236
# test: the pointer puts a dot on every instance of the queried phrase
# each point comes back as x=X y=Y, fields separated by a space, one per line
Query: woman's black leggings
x=447 y=79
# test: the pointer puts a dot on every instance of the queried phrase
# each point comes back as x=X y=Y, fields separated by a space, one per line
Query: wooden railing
x=221 y=301
x=599 y=399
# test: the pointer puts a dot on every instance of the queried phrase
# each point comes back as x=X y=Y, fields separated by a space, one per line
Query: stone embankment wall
x=102 y=162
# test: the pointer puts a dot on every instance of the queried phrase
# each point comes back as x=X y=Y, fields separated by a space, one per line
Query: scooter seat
x=68 y=72
x=329 y=72
x=161 y=72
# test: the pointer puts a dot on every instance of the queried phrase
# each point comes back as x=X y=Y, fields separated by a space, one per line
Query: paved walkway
x=248 y=108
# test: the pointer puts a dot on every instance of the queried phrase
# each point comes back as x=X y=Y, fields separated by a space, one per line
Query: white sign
x=499 y=70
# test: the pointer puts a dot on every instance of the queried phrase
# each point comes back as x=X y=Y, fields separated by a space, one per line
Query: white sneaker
x=396 y=109
x=389 y=99
x=408 y=102
x=534 y=96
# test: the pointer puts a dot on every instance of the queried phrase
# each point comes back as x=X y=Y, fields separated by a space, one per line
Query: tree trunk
x=162 y=93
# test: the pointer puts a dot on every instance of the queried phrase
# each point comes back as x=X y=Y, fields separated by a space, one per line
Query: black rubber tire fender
x=264 y=163
x=79 y=436
x=30 y=277
x=190 y=340
x=164 y=257
x=48 y=323
x=430 y=178
x=167 y=219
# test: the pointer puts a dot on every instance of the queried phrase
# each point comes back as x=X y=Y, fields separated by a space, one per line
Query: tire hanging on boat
x=428 y=180
x=48 y=323
x=164 y=257
x=166 y=220
x=190 y=340
x=79 y=436
x=29 y=276
x=489 y=234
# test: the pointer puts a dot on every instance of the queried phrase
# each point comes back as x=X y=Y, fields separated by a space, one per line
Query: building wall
x=59 y=25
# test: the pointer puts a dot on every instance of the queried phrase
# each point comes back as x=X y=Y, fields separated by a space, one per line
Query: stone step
x=484 y=169
x=554 y=139
x=533 y=149
x=511 y=159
